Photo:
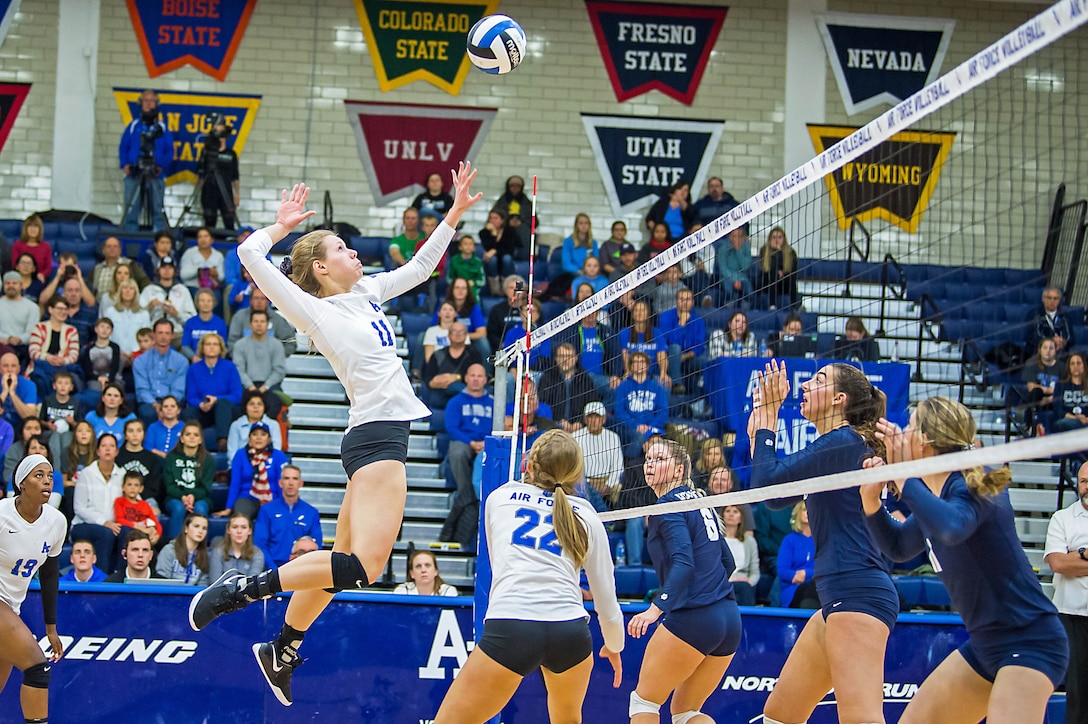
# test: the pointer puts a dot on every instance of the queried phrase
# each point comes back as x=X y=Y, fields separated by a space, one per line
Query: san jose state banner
x=653 y=46
x=639 y=158
x=401 y=143
x=883 y=58
x=202 y=33
x=8 y=8
x=187 y=117
x=12 y=96
x=893 y=181
x=412 y=40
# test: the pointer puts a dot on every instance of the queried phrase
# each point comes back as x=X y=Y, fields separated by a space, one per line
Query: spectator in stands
x=204 y=321
x=771 y=527
x=466 y=265
x=236 y=550
x=138 y=180
x=402 y=246
x=254 y=412
x=635 y=493
x=132 y=512
x=699 y=272
x=791 y=329
x=30 y=283
x=30 y=428
x=505 y=314
x=685 y=339
x=220 y=191
x=469 y=416
x=736 y=340
x=641 y=403
x=422 y=297
x=567 y=389
x=437 y=335
x=239 y=292
x=283 y=330
x=18 y=315
x=626 y=262
x=742 y=545
x=717 y=201
x=1049 y=321
x=721 y=481
x=96 y=487
x=18 y=395
x=534 y=417
x=468 y=312
x=674 y=208
x=601 y=451
x=112 y=413
x=579 y=245
x=590 y=275
x=583 y=291
x=166 y=299
x=77 y=456
x=137 y=555
x=100 y=362
x=302 y=546
x=501 y=246
x=59 y=413
x=81 y=315
x=518 y=210
x=135 y=458
x=128 y=317
x=778 y=271
x=610 y=250
x=642 y=336
x=202 y=265
x=663 y=296
x=260 y=362
x=213 y=389
x=711 y=457
x=54 y=345
x=78 y=295
x=32 y=241
x=103 y=275
x=445 y=373
x=161 y=248
x=185 y=558
x=188 y=473
x=108 y=293
x=254 y=474
x=284 y=521
x=434 y=197
x=163 y=434
x=598 y=354
x=660 y=240
x=423 y=577
x=158 y=372
x=734 y=262
x=1040 y=374
x=856 y=345
x=1071 y=396
x=83 y=562
x=540 y=354
x=797 y=563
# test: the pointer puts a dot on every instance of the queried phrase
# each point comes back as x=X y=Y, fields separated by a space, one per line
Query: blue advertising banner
x=639 y=158
x=202 y=33
x=8 y=8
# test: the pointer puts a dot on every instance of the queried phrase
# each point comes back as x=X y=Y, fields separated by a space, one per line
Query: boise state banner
x=639 y=158
x=401 y=143
x=12 y=96
x=893 y=181
x=188 y=118
x=8 y=8
x=202 y=33
x=652 y=46
x=412 y=40
x=882 y=58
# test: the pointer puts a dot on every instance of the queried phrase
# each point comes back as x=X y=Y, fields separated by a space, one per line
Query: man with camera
x=220 y=190
x=146 y=150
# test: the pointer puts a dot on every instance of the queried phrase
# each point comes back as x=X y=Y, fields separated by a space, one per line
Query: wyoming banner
x=12 y=96
x=893 y=182
x=202 y=33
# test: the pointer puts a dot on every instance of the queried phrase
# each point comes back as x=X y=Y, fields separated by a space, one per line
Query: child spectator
x=83 y=562
x=100 y=362
x=163 y=435
x=134 y=457
x=254 y=474
x=188 y=473
x=111 y=413
x=236 y=550
x=145 y=339
x=466 y=265
x=132 y=512
x=590 y=274
x=185 y=559
x=60 y=412
x=610 y=250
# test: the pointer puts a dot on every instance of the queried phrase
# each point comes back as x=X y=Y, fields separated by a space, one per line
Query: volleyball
x=496 y=44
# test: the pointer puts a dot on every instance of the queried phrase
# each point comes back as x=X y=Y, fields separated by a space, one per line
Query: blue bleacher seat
x=217 y=527
x=521 y=268
x=487 y=304
x=555 y=262
x=635 y=581
x=12 y=228
x=715 y=318
x=551 y=310
x=372 y=248
x=825 y=343
x=218 y=500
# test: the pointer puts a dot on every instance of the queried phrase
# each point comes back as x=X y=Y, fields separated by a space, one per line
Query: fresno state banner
x=639 y=158
x=8 y=8
x=893 y=182
x=401 y=143
x=882 y=58
x=188 y=118
x=651 y=46
x=412 y=40
x=202 y=33
x=12 y=96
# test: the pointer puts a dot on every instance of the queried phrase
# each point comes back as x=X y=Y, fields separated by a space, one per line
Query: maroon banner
x=12 y=96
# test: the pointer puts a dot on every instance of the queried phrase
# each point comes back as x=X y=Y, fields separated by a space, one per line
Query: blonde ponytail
x=555 y=465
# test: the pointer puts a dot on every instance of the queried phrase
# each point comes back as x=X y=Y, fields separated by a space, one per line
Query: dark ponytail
x=865 y=404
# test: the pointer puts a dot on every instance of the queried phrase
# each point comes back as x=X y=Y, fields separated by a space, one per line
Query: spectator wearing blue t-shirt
x=643 y=337
x=685 y=339
x=203 y=322
x=641 y=404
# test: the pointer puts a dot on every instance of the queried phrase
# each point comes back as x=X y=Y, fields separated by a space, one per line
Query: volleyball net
x=905 y=247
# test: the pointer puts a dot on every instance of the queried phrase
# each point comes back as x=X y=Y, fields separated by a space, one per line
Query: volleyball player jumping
x=322 y=291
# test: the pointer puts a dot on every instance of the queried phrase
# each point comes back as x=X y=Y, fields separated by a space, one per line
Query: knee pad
x=768 y=720
x=685 y=717
x=37 y=676
x=347 y=572
x=641 y=706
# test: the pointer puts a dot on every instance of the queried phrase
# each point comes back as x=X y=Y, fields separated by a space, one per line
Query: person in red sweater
x=134 y=513
x=32 y=242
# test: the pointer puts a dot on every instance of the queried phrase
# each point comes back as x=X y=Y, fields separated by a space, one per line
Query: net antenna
x=520 y=410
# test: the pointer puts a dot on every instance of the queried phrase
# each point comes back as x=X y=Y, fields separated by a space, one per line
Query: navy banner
x=202 y=33
x=8 y=8
x=651 y=46
x=882 y=58
x=639 y=158
x=12 y=96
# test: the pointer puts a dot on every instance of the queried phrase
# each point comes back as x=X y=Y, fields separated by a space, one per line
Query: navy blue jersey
x=972 y=544
x=837 y=518
x=690 y=555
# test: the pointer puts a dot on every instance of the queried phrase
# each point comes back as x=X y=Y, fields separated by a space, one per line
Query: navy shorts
x=712 y=630
x=372 y=442
x=1041 y=645
x=870 y=592
x=525 y=646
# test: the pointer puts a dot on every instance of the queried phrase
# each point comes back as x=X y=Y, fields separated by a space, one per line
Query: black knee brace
x=37 y=676
x=347 y=573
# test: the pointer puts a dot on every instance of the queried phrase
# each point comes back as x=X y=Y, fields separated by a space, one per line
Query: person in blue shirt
x=641 y=404
x=468 y=422
x=83 y=561
x=685 y=340
x=700 y=622
x=286 y=519
x=147 y=129
x=579 y=245
x=842 y=645
x=213 y=388
x=540 y=354
x=643 y=336
x=204 y=321
x=590 y=275
x=254 y=474
x=1017 y=650
x=159 y=372
x=18 y=395
x=164 y=433
x=796 y=559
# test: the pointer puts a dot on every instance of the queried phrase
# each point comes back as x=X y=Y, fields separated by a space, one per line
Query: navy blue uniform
x=693 y=563
x=973 y=546
x=851 y=575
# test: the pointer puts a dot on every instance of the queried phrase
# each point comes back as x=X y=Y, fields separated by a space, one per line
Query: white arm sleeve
x=301 y=309
x=418 y=268
x=602 y=583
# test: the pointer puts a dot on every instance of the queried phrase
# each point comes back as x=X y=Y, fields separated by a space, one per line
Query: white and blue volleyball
x=496 y=44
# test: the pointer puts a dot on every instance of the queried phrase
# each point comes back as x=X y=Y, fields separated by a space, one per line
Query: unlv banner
x=412 y=40
x=202 y=33
x=189 y=116
x=8 y=8
x=882 y=58
x=893 y=182
x=639 y=158
x=12 y=96
x=651 y=46
x=401 y=143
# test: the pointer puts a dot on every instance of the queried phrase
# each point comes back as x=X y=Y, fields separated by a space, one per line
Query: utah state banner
x=202 y=33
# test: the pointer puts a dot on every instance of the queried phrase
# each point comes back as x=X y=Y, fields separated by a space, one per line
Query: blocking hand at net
x=897 y=444
x=872 y=494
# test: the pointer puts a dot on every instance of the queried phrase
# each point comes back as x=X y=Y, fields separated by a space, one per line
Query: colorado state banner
x=12 y=96
x=412 y=40
x=187 y=118
x=893 y=181
x=202 y=33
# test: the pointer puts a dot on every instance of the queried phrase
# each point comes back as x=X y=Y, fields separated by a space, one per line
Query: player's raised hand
x=292 y=210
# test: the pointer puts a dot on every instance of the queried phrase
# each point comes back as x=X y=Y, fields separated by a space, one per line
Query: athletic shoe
x=276 y=672
x=223 y=596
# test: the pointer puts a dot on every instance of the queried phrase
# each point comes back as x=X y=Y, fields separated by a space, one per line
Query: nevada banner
x=12 y=96
x=883 y=58
x=639 y=158
x=188 y=117
x=202 y=33
x=8 y=8
x=412 y=40
x=400 y=143
x=893 y=182
x=653 y=46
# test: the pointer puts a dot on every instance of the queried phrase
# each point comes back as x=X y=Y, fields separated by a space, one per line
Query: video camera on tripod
x=212 y=140
x=154 y=131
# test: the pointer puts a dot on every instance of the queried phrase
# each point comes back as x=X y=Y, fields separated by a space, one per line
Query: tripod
x=145 y=179
x=210 y=173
